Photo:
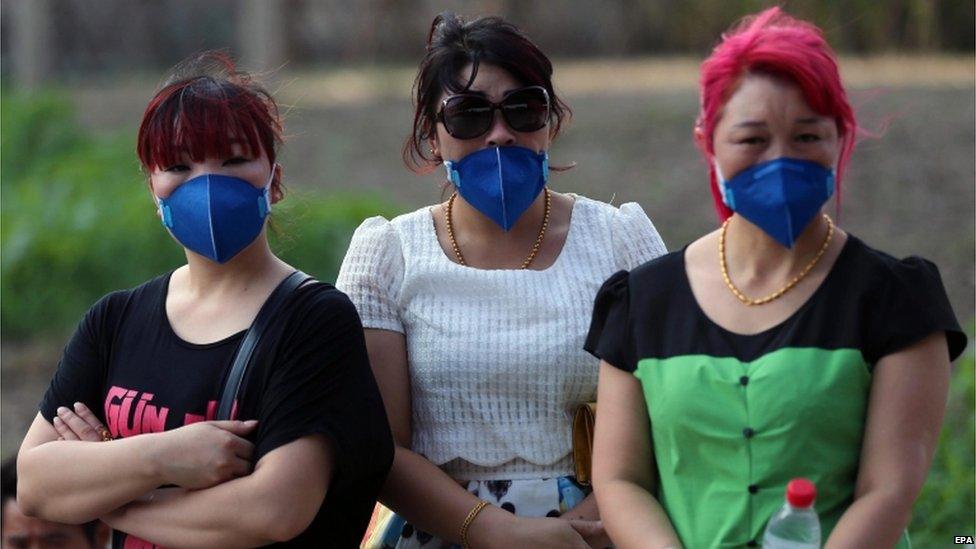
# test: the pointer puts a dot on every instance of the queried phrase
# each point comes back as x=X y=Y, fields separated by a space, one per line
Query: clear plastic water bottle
x=795 y=525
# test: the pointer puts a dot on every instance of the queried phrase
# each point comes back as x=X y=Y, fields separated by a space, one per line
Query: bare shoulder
x=701 y=255
x=179 y=280
x=563 y=201
x=562 y=212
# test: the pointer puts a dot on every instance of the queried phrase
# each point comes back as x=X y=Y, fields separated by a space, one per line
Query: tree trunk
x=261 y=35
x=32 y=46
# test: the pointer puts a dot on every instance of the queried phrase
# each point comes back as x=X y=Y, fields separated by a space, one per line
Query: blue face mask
x=781 y=196
x=500 y=182
x=215 y=216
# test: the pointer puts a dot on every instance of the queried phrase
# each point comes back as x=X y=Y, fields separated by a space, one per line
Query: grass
x=947 y=504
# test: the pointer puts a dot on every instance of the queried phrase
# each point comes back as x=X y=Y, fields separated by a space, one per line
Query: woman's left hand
x=592 y=532
x=585 y=518
x=80 y=424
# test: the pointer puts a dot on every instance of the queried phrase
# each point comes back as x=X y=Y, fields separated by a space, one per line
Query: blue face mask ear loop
x=165 y=215
x=264 y=201
x=727 y=196
x=452 y=175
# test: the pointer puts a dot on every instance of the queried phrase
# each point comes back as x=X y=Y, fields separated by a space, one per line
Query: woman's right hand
x=206 y=453
x=505 y=531
x=545 y=533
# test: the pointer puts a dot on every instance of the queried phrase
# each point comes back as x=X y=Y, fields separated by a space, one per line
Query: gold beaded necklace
x=778 y=293
x=535 y=247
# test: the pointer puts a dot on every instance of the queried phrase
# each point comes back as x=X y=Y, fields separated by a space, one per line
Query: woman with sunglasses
x=778 y=346
x=132 y=404
x=475 y=309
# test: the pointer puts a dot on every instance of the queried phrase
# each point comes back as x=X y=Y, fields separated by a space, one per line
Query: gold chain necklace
x=535 y=247
x=778 y=293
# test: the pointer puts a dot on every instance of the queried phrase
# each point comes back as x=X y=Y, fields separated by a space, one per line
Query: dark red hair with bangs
x=205 y=107
x=773 y=43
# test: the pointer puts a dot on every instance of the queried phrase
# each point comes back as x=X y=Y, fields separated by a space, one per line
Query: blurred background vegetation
x=77 y=221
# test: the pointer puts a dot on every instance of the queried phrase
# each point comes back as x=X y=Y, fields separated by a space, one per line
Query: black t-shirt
x=869 y=301
x=310 y=376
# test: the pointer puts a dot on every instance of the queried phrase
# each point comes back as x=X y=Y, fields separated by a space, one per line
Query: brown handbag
x=583 y=421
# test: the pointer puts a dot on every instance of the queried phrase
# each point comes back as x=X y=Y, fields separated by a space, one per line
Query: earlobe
x=700 y=137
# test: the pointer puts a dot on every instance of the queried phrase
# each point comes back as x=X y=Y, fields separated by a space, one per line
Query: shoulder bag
x=245 y=353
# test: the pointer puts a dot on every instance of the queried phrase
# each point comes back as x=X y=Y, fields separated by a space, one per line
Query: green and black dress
x=734 y=417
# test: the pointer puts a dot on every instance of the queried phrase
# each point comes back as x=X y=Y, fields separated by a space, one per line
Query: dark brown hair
x=454 y=43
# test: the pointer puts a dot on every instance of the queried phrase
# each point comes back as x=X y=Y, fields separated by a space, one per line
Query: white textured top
x=496 y=356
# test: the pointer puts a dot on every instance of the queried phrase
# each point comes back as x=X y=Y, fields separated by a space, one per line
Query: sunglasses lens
x=526 y=110
x=466 y=117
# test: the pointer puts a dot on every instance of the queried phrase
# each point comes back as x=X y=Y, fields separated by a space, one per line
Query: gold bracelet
x=468 y=520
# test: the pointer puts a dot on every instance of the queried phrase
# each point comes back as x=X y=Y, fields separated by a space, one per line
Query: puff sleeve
x=372 y=273
x=914 y=305
x=609 y=338
x=635 y=240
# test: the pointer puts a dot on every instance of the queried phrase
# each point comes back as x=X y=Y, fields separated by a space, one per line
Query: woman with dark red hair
x=306 y=465
x=777 y=346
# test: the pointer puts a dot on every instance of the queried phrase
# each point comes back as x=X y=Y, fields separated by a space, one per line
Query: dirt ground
x=910 y=189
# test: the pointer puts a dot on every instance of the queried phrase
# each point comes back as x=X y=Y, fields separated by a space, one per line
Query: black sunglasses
x=466 y=116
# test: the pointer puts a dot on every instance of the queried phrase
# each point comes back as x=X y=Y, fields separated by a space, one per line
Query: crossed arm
x=219 y=502
x=275 y=503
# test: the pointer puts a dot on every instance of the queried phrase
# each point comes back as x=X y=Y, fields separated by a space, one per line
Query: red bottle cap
x=800 y=492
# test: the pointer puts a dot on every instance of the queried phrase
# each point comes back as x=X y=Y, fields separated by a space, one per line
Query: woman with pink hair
x=778 y=345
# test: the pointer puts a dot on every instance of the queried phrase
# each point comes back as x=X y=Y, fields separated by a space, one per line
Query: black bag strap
x=245 y=352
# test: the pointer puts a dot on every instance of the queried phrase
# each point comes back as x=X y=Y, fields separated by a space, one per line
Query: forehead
x=491 y=80
x=229 y=144
x=198 y=142
x=765 y=98
x=204 y=125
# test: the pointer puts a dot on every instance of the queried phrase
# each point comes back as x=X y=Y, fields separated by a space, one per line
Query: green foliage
x=947 y=504
x=78 y=220
x=312 y=230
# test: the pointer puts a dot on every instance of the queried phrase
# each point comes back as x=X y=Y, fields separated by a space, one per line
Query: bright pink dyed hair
x=771 y=42
x=202 y=109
